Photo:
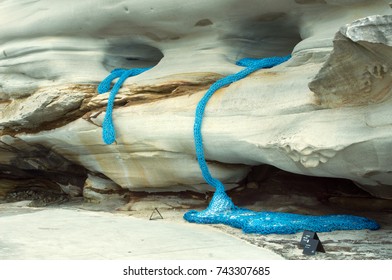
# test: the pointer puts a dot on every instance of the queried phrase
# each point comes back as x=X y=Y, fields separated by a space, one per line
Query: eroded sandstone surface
x=326 y=112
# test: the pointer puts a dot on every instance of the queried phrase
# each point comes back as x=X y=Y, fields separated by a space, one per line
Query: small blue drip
x=109 y=133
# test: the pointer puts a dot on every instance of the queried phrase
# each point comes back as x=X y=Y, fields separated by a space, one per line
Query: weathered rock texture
x=326 y=112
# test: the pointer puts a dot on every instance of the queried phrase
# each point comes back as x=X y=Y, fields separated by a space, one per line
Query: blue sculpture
x=223 y=211
x=221 y=208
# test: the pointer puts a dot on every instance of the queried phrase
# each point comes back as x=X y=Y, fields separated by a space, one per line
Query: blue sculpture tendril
x=221 y=208
x=108 y=131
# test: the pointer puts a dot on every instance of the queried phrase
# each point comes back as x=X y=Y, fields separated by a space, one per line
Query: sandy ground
x=72 y=233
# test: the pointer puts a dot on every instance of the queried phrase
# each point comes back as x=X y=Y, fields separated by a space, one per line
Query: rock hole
x=310 y=1
x=131 y=55
x=204 y=22
x=270 y=16
x=265 y=35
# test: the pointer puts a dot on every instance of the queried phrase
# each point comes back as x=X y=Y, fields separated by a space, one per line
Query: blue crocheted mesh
x=108 y=131
x=221 y=209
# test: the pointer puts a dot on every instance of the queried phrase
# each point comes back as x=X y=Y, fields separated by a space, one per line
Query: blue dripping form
x=108 y=131
x=222 y=210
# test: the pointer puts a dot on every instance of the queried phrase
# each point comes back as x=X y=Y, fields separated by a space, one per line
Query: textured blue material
x=222 y=209
x=108 y=131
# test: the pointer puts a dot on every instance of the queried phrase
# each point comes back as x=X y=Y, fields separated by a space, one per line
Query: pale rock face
x=361 y=71
x=97 y=189
x=325 y=112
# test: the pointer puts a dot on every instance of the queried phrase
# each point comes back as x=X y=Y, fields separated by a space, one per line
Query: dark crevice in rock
x=39 y=170
x=131 y=95
x=39 y=196
x=276 y=189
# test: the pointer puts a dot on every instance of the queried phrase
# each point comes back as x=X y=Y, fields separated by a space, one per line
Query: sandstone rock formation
x=325 y=112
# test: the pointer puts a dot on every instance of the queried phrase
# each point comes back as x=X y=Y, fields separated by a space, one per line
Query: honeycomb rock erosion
x=325 y=112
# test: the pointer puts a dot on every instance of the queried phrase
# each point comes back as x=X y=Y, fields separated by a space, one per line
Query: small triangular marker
x=312 y=247
x=306 y=236
x=155 y=217
x=311 y=243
